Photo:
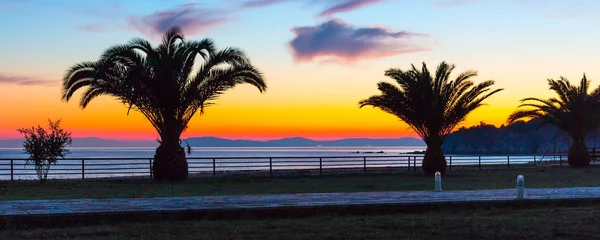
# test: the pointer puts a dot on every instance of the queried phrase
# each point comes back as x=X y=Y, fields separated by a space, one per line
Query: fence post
x=320 y=166
x=560 y=160
x=82 y=168
x=214 y=167
x=534 y=161
x=479 y=162
x=12 y=170
x=450 y=162
x=364 y=164
x=508 y=161
x=150 y=165
x=408 y=163
x=270 y=167
x=415 y=163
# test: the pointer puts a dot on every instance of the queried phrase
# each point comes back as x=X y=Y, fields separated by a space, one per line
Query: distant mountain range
x=221 y=142
x=520 y=137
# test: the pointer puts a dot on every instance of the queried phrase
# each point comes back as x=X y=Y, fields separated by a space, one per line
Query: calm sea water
x=148 y=152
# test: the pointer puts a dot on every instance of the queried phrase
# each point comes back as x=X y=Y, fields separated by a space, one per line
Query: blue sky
x=315 y=54
x=454 y=26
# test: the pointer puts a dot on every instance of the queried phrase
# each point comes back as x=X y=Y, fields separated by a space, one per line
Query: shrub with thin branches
x=45 y=146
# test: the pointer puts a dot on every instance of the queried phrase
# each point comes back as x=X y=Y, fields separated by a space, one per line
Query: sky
x=319 y=58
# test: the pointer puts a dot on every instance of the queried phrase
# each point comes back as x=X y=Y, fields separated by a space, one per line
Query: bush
x=45 y=146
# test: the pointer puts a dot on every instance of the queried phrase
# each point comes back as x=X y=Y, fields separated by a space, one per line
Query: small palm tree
x=432 y=105
x=168 y=84
x=575 y=111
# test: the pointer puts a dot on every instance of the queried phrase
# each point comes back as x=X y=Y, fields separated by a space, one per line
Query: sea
x=94 y=162
x=209 y=152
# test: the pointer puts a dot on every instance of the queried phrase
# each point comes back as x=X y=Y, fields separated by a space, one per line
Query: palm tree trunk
x=170 y=163
x=434 y=159
x=579 y=155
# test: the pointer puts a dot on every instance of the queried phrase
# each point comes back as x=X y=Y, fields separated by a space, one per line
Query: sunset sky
x=319 y=57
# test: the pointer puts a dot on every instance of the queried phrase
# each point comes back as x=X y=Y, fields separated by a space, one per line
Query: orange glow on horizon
x=254 y=117
x=290 y=108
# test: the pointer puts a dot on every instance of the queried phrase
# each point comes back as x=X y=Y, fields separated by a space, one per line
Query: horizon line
x=233 y=139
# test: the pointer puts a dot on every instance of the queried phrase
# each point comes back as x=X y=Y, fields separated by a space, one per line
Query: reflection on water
x=148 y=152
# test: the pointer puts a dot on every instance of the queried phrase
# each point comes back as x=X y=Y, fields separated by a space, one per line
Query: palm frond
x=431 y=104
x=158 y=81
x=575 y=111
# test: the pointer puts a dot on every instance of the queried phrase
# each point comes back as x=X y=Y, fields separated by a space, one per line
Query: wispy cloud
x=25 y=81
x=339 y=40
x=195 y=18
x=333 y=6
x=263 y=3
x=346 y=5
x=191 y=18
x=12 y=3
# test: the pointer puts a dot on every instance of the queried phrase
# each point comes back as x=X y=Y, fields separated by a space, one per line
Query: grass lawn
x=554 y=222
x=62 y=189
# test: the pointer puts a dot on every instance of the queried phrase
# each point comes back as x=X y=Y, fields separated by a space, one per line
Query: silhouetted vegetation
x=45 y=146
x=432 y=105
x=575 y=111
x=520 y=137
x=167 y=84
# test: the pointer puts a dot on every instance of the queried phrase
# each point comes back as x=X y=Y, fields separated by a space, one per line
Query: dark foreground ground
x=543 y=222
x=532 y=221
x=402 y=181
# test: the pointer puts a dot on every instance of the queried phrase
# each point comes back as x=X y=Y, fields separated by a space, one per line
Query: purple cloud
x=191 y=19
x=336 y=39
x=346 y=5
x=262 y=3
x=25 y=81
x=338 y=5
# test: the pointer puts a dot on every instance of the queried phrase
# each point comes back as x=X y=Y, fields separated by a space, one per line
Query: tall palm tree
x=168 y=84
x=432 y=105
x=575 y=111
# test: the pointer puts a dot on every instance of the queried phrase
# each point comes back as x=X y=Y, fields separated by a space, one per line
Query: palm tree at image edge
x=432 y=105
x=575 y=112
x=168 y=84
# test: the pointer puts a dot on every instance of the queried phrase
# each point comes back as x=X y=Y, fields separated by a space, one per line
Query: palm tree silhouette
x=575 y=111
x=167 y=84
x=432 y=105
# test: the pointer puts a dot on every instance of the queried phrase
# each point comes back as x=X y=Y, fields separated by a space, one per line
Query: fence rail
x=84 y=168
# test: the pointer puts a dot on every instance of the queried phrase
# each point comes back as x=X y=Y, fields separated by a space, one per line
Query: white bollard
x=438 y=182
x=520 y=187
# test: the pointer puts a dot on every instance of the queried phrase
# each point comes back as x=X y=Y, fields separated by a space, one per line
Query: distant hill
x=221 y=142
x=520 y=137
x=303 y=142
